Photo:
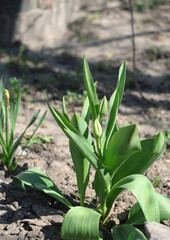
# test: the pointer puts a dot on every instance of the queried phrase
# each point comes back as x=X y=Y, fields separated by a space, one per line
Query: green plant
x=36 y=140
x=119 y=158
x=141 y=6
x=167 y=137
x=157 y=181
x=9 y=108
x=74 y=98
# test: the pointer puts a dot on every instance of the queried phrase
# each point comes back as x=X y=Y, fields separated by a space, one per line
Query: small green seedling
x=9 y=108
x=73 y=97
x=167 y=137
x=157 y=181
x=119 y=159
x=36 y=140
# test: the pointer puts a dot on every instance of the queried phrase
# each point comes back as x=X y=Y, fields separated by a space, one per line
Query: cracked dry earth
x=32 y=214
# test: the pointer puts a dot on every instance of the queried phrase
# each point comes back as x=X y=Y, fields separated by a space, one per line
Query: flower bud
x=103 y=106
x=6 y=98
x=97 y=129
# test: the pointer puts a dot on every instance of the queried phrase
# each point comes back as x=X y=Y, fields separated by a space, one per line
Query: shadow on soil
x=63 y=74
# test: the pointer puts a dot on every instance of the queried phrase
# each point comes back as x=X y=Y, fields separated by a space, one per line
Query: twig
x=134 y=50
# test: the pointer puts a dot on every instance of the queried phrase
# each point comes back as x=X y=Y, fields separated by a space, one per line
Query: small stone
x=157 y=231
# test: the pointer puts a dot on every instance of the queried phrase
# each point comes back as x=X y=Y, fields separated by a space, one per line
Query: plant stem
x=82 y=201
x=134 y=49
x=105 y=213
x=98 y=141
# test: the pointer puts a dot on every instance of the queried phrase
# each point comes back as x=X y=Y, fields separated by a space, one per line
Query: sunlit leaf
x=137 y=217
x=114 y=104
x=37 y=179
x=123 y=144
x=127 y=232
x=143 y=190
x=91 y=91
x=151 y=150
x=81 y=223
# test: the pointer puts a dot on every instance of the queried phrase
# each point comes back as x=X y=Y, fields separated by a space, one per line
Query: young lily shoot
x=119 y=158
x=9 y=108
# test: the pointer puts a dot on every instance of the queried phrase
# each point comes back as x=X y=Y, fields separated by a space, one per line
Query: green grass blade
x=123 y=144
x=81 y=223
x=142 y=188
x=127 y=232
x=37 y=179
x=152 y=150
x=91 y=90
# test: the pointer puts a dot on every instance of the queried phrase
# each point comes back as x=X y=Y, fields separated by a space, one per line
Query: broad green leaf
x=81 y=223
x=123 y=144
x=152 y=150
x=81 y=164
x=37 y=179
x=127 y=232
x=137 y=217
x=91 y=91
x=143 y=190
x=64 y=109
x=114 y=104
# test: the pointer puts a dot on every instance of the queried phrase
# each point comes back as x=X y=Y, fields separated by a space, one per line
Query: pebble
x=157 y=231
